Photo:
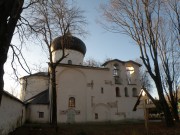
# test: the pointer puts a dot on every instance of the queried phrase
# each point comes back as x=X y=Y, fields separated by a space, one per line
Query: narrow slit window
x=126 y=92
x=134 y=91
x=102 y=90
x=118 y=92
x=96 y=116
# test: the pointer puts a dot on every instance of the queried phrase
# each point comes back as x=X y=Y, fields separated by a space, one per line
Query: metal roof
x=41 y=98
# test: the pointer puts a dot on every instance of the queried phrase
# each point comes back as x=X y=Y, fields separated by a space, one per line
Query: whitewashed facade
x=84 y=93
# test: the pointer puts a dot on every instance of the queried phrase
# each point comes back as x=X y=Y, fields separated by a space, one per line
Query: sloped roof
x=155 y=102
x=121 y=62
x=41 y=98
x=5 y=93
x=37 y=74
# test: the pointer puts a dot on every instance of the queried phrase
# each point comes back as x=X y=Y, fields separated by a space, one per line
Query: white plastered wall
x=71 y=83
x=32 y=113
x=85 y=85
x=75 y=56
x=35 y=85
x=12 y=114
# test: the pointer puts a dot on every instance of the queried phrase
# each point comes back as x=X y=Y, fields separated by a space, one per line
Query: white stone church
x=84 y=93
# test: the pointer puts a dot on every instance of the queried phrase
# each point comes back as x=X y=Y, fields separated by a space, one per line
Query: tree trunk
x=162 y=100
x=175 y=111
x=173 y=101
x=165 y=107
x=54 y=96
x=10 y=11
x=3 y=58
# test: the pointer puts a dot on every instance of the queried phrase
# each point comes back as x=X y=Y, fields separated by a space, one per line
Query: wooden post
x=146 y=116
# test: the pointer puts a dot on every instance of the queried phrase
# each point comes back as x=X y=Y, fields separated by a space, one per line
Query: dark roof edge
x=45 y=74
x=112 y=61
x=12 y=97
x=121 y=62
x=82 y=66
x=35 y=96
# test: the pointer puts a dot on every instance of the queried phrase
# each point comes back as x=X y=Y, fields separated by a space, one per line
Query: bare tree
x=143 y=22
x=92 y=62
x=145 y=79
x=10 y=11
x=47 y=20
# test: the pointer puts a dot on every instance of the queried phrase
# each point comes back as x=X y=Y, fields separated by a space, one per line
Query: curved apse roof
x=71 y=42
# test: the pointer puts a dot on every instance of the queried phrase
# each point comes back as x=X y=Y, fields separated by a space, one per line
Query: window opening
x=102 y=90
x=116 y=74
x=96 y=116
x=71 y=102
x=126 y=92
x=115 y=70
x=117 y=92
x=129 y=72
x=41 y=114
x=69 y=61
x=134 y=91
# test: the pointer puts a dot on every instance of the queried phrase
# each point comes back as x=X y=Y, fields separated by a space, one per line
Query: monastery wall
x=12 y=113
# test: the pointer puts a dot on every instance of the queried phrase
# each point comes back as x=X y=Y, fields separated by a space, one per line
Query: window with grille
x=41 y=114
x=71 y=102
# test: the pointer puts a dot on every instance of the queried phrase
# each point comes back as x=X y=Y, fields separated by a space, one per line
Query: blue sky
x=100 y=43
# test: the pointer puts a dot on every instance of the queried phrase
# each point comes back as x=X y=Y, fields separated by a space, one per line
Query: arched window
x=134 y=92
x=116 y=74
x=126 y=92
x=129 y=72
x=115 y=70
x=118 y=92
x=71 y=102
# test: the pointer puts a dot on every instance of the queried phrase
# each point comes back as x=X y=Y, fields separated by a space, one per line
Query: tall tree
x=47 y=20
x=143 y=20
x=145 y=79
x=10 y=11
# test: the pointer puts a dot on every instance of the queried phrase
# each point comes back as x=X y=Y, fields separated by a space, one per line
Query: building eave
x=120 y=61
x=82 y=66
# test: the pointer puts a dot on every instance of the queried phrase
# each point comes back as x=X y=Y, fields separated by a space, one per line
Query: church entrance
x=71 y=116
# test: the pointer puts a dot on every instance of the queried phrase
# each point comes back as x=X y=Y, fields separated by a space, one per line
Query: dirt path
x=97 y=129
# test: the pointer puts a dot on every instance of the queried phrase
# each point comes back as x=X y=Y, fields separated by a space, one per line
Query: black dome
x=70 y=42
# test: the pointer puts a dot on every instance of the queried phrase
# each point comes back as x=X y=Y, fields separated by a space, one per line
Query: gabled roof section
x=124 y=62
x=45 y=74
x=154 y=101
x=112 y=61
x=41 y=98
x=131 y=61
